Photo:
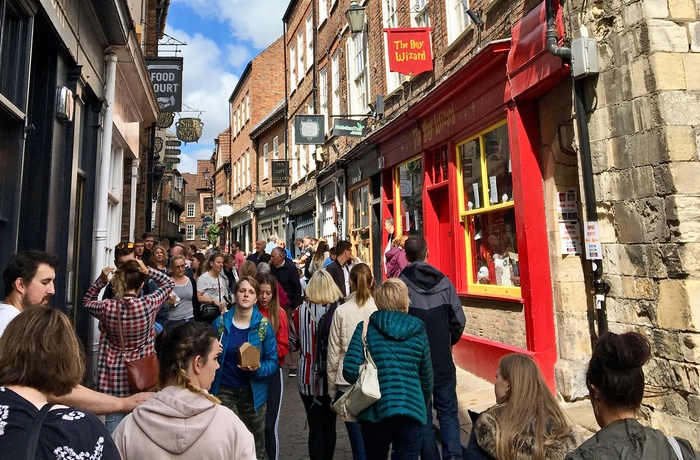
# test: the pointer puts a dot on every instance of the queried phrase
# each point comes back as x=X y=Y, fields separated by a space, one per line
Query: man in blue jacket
x=435 y=301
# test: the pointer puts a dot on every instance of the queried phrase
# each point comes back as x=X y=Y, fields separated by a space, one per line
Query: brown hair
x=392 y=295
x=250 y=281
x=182 y=345
x=399 y=241
x=361 y=281
x=529 y=407
x=39 y=350
x=127 y=278
x=273 y=309
x=248 y=268
x=152 y=260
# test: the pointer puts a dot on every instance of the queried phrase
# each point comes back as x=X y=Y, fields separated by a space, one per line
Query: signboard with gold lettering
x=189 y=129
x=409 y=50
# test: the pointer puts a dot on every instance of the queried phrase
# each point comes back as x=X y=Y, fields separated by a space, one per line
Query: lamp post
x=355 y=16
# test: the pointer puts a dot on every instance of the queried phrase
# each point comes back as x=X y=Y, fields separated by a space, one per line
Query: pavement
x=473 y=393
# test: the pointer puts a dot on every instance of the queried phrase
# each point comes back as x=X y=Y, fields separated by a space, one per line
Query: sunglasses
x=128 y=245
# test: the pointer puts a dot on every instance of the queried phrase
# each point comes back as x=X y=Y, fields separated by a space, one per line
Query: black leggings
x=272 y=418
x=321 y=420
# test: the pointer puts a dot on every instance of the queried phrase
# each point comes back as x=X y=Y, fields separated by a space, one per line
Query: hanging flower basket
x=212 y=232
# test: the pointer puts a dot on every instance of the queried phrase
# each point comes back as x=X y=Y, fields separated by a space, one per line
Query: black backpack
x=323 y=330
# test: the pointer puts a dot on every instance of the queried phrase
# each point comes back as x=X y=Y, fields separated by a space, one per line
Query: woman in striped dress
x=138 y=314
x=322 y=294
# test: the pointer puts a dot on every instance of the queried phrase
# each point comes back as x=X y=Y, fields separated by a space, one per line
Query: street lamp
x=355 y=16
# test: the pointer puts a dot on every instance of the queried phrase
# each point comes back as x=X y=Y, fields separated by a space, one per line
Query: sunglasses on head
x=127 y=245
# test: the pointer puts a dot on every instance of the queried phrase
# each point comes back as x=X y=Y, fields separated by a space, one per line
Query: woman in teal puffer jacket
x=399 y=347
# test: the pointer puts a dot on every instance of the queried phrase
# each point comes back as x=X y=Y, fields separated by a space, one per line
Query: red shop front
x=463 y=169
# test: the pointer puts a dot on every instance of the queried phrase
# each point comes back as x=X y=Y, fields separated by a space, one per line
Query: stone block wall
x=645 y=143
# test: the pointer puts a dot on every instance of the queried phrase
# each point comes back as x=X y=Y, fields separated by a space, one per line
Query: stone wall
x=644 y=139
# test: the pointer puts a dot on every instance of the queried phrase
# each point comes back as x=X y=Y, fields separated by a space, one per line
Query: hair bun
x=626 y=351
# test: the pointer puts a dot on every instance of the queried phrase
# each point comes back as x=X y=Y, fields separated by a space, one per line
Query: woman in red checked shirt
x=269 y=306
x=138 y=314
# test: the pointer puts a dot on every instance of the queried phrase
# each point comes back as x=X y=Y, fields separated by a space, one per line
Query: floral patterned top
x=66 y=434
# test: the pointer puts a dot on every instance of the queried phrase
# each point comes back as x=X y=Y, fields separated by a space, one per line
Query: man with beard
x=29 y=281
x=148 y=242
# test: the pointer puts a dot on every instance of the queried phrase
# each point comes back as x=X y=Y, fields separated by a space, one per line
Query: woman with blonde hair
x=358 y=307
x=396 y=259
x=322 y=296
x=129 y=315
x=40 y=356
x=399 y=347
x=183 y=419
x=269 y=306
x=526 y=422
x=159 y=259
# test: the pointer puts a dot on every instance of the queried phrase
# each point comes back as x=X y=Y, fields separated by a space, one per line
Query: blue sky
x=222 y=36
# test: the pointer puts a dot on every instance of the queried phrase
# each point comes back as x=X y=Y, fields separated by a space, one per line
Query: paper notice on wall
x=493 y=192
x=567 y=206
x=594 y=250
x=407 y=228
x=477 y=200
x=570 y=238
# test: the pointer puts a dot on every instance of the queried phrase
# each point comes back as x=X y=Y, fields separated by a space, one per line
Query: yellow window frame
x=514 y=292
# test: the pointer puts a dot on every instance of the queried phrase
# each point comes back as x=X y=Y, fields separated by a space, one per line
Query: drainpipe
x=600 y=287
x=103 y=167
x=132 y=208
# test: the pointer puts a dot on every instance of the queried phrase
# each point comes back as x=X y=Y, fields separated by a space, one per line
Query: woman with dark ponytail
x=183 y=419
x=358 y=306
x=615 y=381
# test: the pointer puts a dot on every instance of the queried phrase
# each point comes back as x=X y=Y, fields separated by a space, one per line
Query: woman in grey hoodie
x=183 y=420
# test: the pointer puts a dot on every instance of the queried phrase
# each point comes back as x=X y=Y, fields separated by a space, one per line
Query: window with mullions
x=360 y=222
x=488 y=211
x=409 y=210
x=15 y=34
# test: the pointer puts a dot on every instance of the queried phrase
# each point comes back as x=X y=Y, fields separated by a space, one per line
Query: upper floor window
x=292 y=67
x=335 y=84
x=393 y=79
x=179 y=181
x=247 y=106
x=323 y=93
x=300 y=56
x=190 y=212
x=309 y=41
x=15 y=40
x=190 y=232
x=487 y=208
x=322 y=11
x=275 y=147
x=357 y=70
x=420 y=16
x=457 y=18
x=266 y=159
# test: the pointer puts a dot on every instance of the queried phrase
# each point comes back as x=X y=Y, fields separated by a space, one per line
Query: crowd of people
x=224 y=327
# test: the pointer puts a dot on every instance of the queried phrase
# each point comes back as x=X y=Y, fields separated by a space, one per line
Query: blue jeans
x=400 y=433
x=356 y=441
x=445 y=402
x=112 y=421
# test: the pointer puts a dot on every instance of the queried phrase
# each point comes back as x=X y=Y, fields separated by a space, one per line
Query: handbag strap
x=675 y=446
x=365 y=325
x=30 y=453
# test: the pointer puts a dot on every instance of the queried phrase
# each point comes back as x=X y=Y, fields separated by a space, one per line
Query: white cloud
x=206 y=87
x=256 y=21
x=238 y=56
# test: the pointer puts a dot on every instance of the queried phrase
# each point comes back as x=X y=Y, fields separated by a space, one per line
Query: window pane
x=498 y=165
x=471 y=174
x=411 y=188
x=494 y=248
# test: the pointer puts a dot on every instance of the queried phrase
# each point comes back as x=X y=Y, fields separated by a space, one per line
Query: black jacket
x=336 y=271
x=435 y=301
x=288 y=277
x=256 y=259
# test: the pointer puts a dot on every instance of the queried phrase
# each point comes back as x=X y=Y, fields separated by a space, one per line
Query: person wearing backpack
x=309 y=330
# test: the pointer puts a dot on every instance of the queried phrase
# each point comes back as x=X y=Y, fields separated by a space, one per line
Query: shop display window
x=360 y=235
x=409 y=189
x=487 y=209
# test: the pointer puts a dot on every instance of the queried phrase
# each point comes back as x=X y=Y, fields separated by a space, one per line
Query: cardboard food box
x=248 y=355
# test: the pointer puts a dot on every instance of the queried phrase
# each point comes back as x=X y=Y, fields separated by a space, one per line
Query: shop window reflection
x=360 y=224
x=495 y=249
x=410 y=184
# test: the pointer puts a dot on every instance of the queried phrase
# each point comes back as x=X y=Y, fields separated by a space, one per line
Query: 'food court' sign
x=166 y=79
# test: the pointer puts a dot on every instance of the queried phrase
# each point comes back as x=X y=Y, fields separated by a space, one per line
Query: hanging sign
x=348 y=127
x=158 y=144
x=410 y=50
x=308 y=129
x=260 y=201
x=165 y=119
x=173 y=151
x=168 y=160
x=280 y=173
x=166 y=79
x=189 y=129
